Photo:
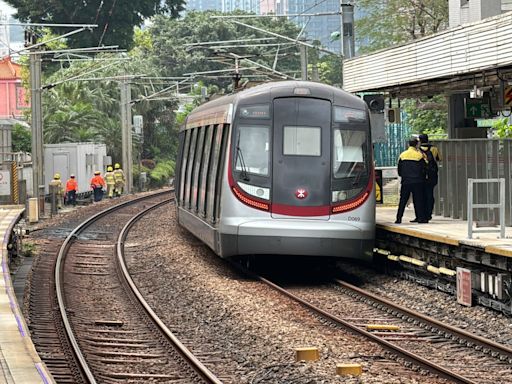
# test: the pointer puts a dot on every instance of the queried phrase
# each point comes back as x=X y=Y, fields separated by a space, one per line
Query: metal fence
x=474 y=159
x=386 y=154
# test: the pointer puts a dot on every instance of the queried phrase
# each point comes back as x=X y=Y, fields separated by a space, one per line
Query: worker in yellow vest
x=111 y=182
x=119 y=179
x=56 y=187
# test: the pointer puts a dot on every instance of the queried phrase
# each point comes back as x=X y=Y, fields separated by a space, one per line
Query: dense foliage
x=390 y=22
x=169 y=37
x=115 y=18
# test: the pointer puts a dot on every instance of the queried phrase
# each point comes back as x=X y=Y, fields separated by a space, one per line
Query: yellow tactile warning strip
x=444 y=230
x=501 y=250
x=421 y=235
x=19 y=361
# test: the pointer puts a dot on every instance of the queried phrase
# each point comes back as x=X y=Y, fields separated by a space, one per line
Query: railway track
x=95 y=314
x=410 y=337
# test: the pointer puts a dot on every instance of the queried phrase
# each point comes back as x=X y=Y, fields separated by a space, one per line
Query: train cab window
x=253 y=149
x=349 y=149
x=302 y=141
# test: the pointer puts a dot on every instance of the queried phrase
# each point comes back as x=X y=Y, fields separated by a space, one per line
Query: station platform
x=19 y=361
x=444 y=230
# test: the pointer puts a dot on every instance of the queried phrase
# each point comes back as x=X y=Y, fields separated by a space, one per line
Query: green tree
x=21 y=139
x=171 y=54
x=392 y=22
x=502 y=128
x=427 y=115
x=116 y=19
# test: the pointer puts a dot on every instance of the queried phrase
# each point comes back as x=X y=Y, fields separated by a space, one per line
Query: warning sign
x=507 y=96
x=464 y=286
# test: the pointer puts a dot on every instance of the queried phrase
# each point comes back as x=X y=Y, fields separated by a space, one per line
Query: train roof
x=219 y=108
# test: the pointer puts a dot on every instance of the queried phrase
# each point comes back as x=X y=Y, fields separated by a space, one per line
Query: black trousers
x=98 y=194
x=71 y=197
x=429 y=199
x=418 y=199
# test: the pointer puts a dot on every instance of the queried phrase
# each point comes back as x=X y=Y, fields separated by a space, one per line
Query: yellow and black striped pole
x=15 y=193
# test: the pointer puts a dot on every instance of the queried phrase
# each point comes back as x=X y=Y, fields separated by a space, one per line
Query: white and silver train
x=284 y=168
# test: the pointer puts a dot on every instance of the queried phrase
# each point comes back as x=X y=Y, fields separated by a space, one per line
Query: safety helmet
x=97 y=172
x=56 y=176
x=109 y=169
x=72 y=176
x=117 y=166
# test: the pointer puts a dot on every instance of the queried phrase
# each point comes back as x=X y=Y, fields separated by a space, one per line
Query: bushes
x=158 y=174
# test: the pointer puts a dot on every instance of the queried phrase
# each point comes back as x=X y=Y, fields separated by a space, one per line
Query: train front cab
x=311 y=193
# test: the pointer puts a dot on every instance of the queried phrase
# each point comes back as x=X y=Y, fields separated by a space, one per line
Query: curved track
x=108 y=330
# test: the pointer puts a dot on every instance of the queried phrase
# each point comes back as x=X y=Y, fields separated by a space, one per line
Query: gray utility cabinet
x=80 y=159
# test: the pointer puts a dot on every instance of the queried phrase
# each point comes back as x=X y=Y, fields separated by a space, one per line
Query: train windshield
x=349 y=150
x=253 y=150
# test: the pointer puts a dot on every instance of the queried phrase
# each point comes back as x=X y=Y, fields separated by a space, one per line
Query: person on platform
x=119 y=179
x=433 y=149
x=431 y=178
x=71 y=190
x=412 y=170
x=97 y=185
x=111 y=182
x=56 y=187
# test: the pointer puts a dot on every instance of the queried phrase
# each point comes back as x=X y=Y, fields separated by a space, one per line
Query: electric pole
x=37 y=124
x=126 y=129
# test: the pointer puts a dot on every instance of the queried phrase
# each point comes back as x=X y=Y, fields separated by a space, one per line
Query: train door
x=301 y=158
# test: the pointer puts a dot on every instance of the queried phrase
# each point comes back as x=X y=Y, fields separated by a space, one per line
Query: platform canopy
x=451 y=61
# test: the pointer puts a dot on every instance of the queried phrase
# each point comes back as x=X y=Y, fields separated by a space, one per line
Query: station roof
x=9 y=70
x=448 y=62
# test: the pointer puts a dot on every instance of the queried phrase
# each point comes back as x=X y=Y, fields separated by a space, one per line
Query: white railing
x=500 y=206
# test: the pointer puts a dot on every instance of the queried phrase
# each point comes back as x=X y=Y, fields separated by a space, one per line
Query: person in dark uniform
x=431 y=178
x=412 y=170
x=435 y=152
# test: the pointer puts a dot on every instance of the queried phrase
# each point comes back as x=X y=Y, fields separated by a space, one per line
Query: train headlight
x=339 y=196
x=262 y=193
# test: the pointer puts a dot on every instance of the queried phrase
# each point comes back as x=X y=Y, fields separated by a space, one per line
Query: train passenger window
x=204 y=172
x=302 y=141
x=253 y=150
x=197 y=168
x=190 y=166
x=349 y=149
x=183 y=178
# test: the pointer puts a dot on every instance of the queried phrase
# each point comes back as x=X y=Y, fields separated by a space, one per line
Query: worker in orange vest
x=97 y=185
x=71 y=190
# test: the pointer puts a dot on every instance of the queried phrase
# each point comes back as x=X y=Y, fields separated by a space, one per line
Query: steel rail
x=474 y=339
x=418 y=360
x=188 y=356
x=59 y=281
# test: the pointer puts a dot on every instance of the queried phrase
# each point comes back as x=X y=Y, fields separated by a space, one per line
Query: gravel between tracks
x=439 y=305
x=253 y=328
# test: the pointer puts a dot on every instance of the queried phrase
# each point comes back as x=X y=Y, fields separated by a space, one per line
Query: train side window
x=190 y=166
x=212 y=179
x=222 y=160
x=203 y=185
x=302 y=141
x=197 y=168
x=184 y=166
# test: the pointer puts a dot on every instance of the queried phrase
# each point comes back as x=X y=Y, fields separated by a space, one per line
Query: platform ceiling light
x=476 y=93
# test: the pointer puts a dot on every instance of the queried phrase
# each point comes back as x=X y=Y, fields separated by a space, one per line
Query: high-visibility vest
x=71 y=185
x=58 y=184
x=110 y=178
x=119 y=175
x=97 y=182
